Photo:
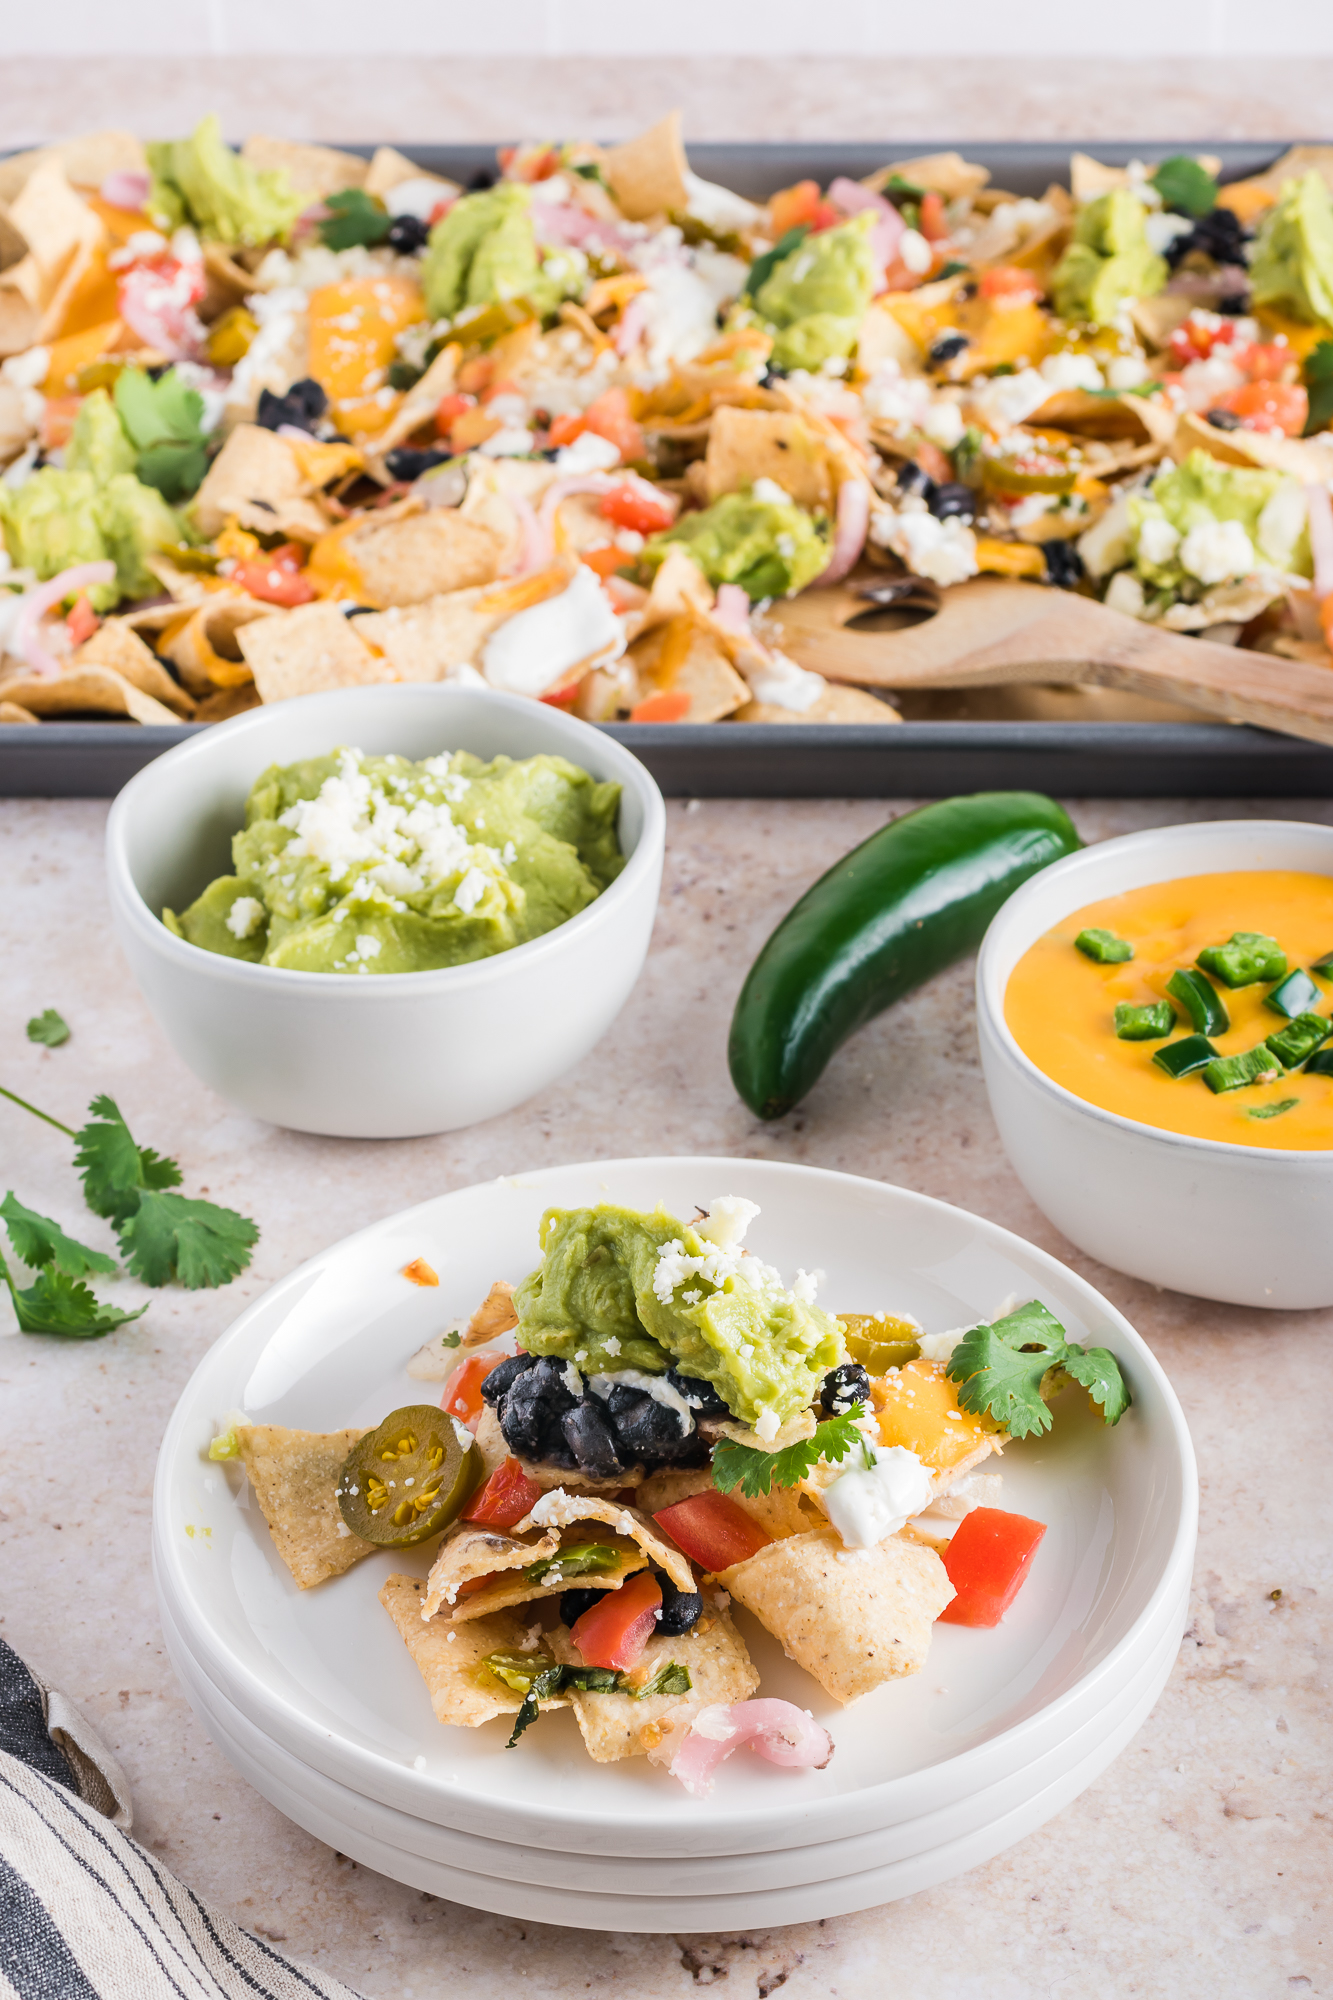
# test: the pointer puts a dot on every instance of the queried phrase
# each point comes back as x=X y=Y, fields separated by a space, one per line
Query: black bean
x=573 y=1603
x=504 y=1376
x=1234 y=304
x=589 y=1438
x=408 y=464
x=701 y=1396
x=953 y=498
x=946 y=348
x=531 y=1414
x=302 y=406
x=843 y=1388
x=407 y=234
x=680 y=1609
x=1064 y=564
x=1224 y=420
x=1221 y=236
x=911 y=479
x=645 y=1429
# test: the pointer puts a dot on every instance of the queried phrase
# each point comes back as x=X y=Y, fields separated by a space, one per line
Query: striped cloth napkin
x=85 y=1912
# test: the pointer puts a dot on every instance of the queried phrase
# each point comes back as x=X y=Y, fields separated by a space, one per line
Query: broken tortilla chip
x=420 y=403
x=559 y=1509
x=494 y=1316
x=117 y=645
x=499 y=1592
x=307 y=650
x=203 y=646
x=948 y=174
x=472 y=1551
x=295 y=1476
x=616 y=1725
x=256 y=479
x=450 y=1658
x=853 y=1618
x=86 y=161
x=682 y=658
x=647 y=174
x=745 y=445
x=10 y=711
x=316 y=171
x=427 y=642
x=836 y=704
x=95 y=690
x=389 y=168
x=422 y=555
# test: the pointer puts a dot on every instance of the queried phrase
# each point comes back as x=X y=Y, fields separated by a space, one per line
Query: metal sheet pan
x=800 y=760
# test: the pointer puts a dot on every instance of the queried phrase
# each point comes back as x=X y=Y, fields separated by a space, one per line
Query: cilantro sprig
x=357 y=217
x=48 y=1028
x=758 y=1472
x=161 y=1235
x=1185 y=185
x=1001 y=1369
x=163 y=417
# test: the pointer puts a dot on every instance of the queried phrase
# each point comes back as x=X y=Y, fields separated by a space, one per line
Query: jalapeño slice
x=879 y=1342
x=407 y=1480
x=1297 y=994
x=1187 y=1056
x=1201 y=1001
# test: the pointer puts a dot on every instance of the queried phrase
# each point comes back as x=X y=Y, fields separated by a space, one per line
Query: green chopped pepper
x=1257 y=1065
x=1144 y=1024
x=575 y=1559
x=1324 y=965
x=1320 y=1065
x=1299 y=1039
x=1201 y=1001
x=1186 y=1057
x=1274 y=1110
x=1297 y=994
x=1246 y=958
x=1104 y=946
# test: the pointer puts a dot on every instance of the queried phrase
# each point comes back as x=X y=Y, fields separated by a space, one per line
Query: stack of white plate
x=314 y=1698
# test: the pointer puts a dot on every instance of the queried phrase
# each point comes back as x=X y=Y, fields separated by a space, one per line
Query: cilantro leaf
x=115 y=1171
x=48 y=1028
x=1317 y=375
x=670 y=1679
x=1098 y=1371
x=357 y=217
x=38 y=1242
x=757 y=1472
x=1186 y=187
x=763 y=267
x=62 y=1305
x=198 y=1242
x=163 y=419
x=541 y=1689
x=1001 y=1368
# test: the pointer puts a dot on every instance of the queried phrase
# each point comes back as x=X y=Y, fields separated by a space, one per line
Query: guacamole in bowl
x=360 y=864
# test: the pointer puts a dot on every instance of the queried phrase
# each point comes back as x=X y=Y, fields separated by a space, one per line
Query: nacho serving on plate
x=289 y=419
x=676 y=1434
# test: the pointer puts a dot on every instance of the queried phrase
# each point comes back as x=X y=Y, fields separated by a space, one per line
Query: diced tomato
x=614 y=1632
x=672 y=705
x=1264 y=360
x=933 y=226
x=475 y=375
x=565 y=429
x=462 y=1392
x=635 y=507
x=794 y=205
x=987 y=1561
x=57 y=426
x=82 y=621
x=1008 y=282
x=505 y=1498
x=610 y=418
x=449 y=409
x=1269 y=406
x=276 y=578
x=440 y=210
x=604 y=560
x=933 y=462
x=712 y=1530
x=1194 y=339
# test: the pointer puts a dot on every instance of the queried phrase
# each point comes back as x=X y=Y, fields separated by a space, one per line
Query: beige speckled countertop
x=1200 y=1863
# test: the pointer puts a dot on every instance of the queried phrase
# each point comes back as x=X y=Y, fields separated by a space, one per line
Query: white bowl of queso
x=396 y=1054
x=1227 y=1194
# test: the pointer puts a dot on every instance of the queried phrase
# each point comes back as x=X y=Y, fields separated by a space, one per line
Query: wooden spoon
x=992 y=631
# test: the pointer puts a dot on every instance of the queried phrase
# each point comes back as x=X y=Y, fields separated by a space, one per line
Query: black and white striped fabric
x=85 y=1912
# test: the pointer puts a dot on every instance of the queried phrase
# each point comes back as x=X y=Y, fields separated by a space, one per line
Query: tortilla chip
x=514 y=1588
x=836 y=704
x=306 y=651
x=422 y=555
x=116 y=645
x=490 y=482
x=647 y=174
x=472 y=1551
x=257 y=480
x=19 y=318
x=853 y=1618
x=448 y=1657
x=204 y=647
x=663 y=1489
x=679 y=586
x=294 y=1475
x=681 y=657
x=13 y=243
x=81 y=689
x=11 y=712
x=561 y=1510
x=56 y=223
x=420 y=403
x=948 y=173
x=314 y=170
x=221 y=705
x=494 y=1316
x=783 y=1511
x=86 y=161
x=389 y=168
x=617 y=1725
x=425 y=642
x=1308 y=459
x=885 y=338
x=1249 y=198
x=490 y=1438
x=745 y=445
x=1139 y=419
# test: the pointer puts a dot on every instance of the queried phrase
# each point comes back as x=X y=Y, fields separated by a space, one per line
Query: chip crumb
x=419 y=1272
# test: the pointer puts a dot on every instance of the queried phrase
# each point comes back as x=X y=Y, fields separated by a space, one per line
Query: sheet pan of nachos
x=652 y=1449
x=578 y=421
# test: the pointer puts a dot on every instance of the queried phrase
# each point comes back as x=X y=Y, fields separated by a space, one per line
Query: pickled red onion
x=536 y=549
x=776 y=1730
x=853 y=522
x=127 y=190
x=26 y=643
x=732 y=609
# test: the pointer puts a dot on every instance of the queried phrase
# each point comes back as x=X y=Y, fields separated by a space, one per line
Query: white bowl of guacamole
x=463 y=897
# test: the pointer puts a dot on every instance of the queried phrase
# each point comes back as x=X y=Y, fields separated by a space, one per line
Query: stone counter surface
x=1200 y=1864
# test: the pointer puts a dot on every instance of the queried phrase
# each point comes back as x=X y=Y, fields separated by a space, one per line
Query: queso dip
x=1061 y=1005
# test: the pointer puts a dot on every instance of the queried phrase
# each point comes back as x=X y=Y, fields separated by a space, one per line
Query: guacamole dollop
x=91 y=510
x=1292 y=265
x=484 y=251
x=817 y=296
x=1179 y=526
x=618 y=1288
x=356 y=864
x=1110 y=260
x=758 y=538
x=201 y=181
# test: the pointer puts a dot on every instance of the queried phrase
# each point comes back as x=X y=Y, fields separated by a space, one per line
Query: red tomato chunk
x=462 y=1392
x=505 y=1498
x=614 y=1632
x=987 y=1560
x=712 y=1530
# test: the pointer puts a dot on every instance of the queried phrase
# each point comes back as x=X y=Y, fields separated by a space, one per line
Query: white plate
x=324 y=1675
